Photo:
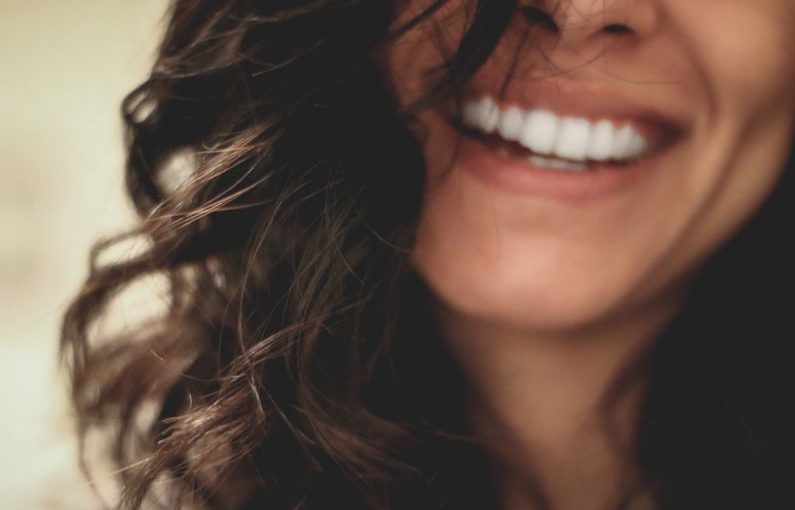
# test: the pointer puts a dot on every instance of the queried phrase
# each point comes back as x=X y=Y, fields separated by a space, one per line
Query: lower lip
x=520 y=177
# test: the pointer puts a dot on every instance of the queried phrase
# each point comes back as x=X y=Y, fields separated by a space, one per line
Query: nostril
x=538 y=17
x=616 y=28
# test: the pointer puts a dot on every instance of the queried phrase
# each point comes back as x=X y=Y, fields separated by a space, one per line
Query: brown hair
x=294 y=364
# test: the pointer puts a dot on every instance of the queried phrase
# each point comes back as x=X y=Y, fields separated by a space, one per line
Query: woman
x=454 y=255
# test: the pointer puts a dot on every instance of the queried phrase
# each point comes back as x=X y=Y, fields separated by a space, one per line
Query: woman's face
x=710 y=83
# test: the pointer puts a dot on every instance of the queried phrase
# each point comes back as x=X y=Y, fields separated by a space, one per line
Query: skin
x=543 y=300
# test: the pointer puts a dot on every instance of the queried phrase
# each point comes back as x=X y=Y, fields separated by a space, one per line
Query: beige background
x=64 y=67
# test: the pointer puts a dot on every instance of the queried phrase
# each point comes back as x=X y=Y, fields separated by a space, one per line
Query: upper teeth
x=547 y=134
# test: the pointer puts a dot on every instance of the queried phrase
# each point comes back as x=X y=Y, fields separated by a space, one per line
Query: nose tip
x=577 y=23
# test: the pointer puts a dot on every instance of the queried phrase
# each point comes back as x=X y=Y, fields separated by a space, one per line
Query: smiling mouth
x=515 y=151
x=573 y=143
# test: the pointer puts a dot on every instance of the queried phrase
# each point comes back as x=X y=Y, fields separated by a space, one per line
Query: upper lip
x=576 y=100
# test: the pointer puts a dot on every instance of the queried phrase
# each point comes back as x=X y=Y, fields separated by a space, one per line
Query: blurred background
x=65 y=67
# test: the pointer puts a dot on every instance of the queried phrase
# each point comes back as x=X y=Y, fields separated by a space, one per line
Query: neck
x=545 y=408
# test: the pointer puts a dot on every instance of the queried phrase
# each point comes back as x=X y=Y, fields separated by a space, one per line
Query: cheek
x=750 y=77
x=751 y=67
x=743 y=55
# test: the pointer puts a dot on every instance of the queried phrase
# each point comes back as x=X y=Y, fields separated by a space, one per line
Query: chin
x=536 y=301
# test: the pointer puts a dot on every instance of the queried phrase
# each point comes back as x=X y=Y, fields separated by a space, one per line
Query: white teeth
x=600 y=146
x=557 y=164
x=639 y=145
x=622 y=142
x=511 y=124
x=491 y=115
x=546 y=134
x=628 y=144
x=540 y=132
x=482 y=115
x=573 y=139
x=471 y=114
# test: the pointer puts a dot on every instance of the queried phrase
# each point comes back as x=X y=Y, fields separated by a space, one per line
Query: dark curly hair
x=293 y=362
